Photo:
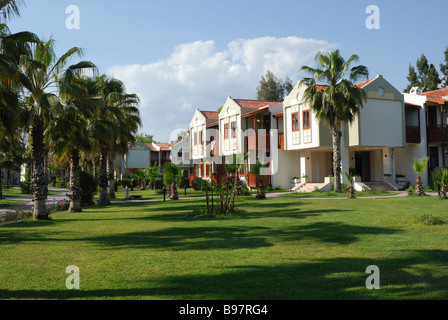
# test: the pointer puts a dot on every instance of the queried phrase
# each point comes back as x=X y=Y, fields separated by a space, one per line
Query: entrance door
x=362 y=165
x=433 y=158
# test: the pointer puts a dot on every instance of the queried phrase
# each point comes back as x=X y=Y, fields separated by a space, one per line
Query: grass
x=272 y=249
x=332 y=194
x=153 y=194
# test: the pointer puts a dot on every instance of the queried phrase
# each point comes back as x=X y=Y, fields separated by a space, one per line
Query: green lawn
x=272 y=249
x=149 y=194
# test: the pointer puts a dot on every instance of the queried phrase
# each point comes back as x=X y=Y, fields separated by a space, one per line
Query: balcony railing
x=413 y=134
x=438 y=133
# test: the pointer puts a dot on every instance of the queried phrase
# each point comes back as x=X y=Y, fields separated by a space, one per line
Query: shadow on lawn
x=405 y=277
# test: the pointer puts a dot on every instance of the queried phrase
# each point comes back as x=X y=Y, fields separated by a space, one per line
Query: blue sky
x=187 y=54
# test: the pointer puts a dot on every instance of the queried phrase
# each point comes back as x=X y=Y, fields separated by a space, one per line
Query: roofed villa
x=390 y=131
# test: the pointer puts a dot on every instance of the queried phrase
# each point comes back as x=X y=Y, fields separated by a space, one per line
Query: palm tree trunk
x=110 y=172
x=75 y=183
x=336 y=139
x=39 y=179
x=173 y=191
x=104 y=195
x=419 y=187
x=443 y=192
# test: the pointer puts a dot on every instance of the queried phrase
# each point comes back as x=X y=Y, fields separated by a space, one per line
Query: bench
x=136 y=197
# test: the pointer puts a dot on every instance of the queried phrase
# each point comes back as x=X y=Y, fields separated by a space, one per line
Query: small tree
x=140 y=175
x=351 y=189
x=152 y=173
x=132 y=178
x=439 y=179
x=420 y=168
x=257 y=172
x=170 y=173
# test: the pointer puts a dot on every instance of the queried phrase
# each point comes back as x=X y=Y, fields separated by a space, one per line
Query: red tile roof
x=436 y=93
x=362 y=84
x=162 y=146
x=255 y=104
x=210 y=114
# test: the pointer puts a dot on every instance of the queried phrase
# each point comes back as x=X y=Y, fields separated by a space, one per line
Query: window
x=226 y=131
x=200 y=137
x=295 y=121
x=306 y=119
x=233 y=129
x=195 y=138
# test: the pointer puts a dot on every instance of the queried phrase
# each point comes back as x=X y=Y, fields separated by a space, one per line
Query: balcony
x=438 y=133
x=413 y=134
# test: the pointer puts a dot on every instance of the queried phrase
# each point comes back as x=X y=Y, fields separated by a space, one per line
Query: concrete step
x=374 y=186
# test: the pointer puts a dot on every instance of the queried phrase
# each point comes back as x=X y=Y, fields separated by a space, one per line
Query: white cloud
x=199 y=75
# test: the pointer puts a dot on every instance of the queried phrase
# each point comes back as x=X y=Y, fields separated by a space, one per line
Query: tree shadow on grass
x=410 y=275
x=181 y=239
x=329 y=232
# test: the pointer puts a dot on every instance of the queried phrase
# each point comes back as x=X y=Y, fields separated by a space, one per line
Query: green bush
x=88 y=188
x=158 y=184
x=25 y=187
x=430 y=220
x=10 y=216
x=245 y=190
x=268 y=189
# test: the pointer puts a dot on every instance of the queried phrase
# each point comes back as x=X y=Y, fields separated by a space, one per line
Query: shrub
x=159 y=184
x=58 y=206
x=268 y=189
x=115 y=185
x=25 y=187
x=10 y=216
x=88 y=188
x=245 y=191
x=430 y=220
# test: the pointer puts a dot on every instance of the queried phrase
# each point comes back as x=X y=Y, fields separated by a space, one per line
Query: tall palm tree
x=41 y=68
x=340 y=101
x=419 y=167
x=68 y=131
x=116 y=121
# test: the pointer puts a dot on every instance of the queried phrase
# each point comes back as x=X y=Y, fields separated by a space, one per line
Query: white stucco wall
x=380 y=123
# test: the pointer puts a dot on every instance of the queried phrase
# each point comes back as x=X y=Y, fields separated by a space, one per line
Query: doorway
x=362 y=165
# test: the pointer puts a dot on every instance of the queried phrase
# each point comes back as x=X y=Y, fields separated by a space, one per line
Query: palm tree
x=257 y=172
x=170 y=173
x=68 y=131
x=439 y=178
x=419 y=168
x=351 y=188
x=340 y=101
x=116 y=122
x=10 y=8
x=41 y=68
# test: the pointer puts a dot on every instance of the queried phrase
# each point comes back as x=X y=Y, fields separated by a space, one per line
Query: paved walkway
x=50 y=199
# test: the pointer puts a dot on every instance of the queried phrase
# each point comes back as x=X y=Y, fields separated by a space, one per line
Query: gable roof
x=254 y=104
x=320 y=87
x=213 y=115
